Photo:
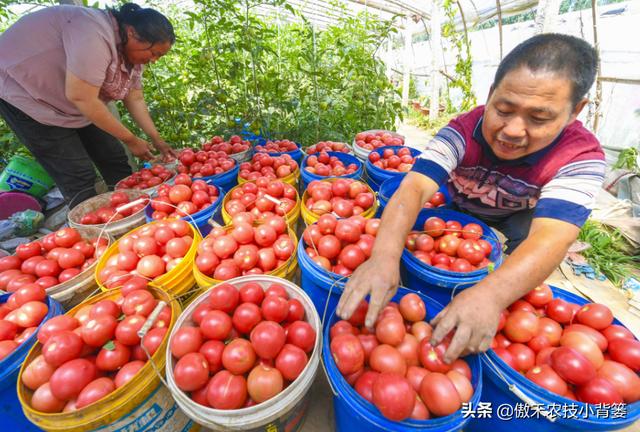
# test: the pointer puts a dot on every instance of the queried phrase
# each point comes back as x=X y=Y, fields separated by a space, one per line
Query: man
x=522 y=163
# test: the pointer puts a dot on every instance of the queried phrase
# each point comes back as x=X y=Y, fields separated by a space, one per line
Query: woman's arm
x=85 y=97
x=135 y=104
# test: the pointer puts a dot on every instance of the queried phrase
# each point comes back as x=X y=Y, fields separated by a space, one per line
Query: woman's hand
x=139 y=147
x=168 y=154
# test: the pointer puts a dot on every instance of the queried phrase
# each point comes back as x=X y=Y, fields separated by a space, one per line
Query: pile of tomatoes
x=52 y=260
x=571 y=350
x=150 y=251
x=328 y=166
x=243 y=346
x=345 y=197
x=146 y=178
x=204 y=163
x=263 y=165
x=393 y=160
x=278 y=146
x=374 y=140
x=450 y=246
x=243 y=249
x=263 y=198
x=233 y=146
x=111 y=213
x=340 y=245
x=327 y=146
x=184 y=198
x=88 y=355
x=20 y=317
x=395 y=367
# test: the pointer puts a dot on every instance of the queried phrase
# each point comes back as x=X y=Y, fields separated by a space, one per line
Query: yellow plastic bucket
x=310 y=218
x=291 y=179
x=144 y=403
x=291 y=218
x=177 y=281
x=286 y=271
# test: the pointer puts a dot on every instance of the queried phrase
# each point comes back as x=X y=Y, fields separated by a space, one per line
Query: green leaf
x=109 y=346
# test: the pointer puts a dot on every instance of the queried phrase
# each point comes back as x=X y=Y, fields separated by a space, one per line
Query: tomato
x=37 y=373
x=559 y=310
x=521 y=326
x=191 y=372
x=153 y=339
x=302 y=335
x=523 y=357
x=547 y=378
x=275 y=308
x=71 y=377
x=550 y=329
x=267 y=339
x=67 y=237
x=585 y=345
x=627 y=352
x=462 y=384
x=408 y=348
x=572 y=366
x=471 y=231
x=434 y=226
x=212 y=352
x=385 y=358
x=44 y=401
x=251 y=293
x=216 y=325
x=238 y=356
x=390 y=331
x=10 y=262
x=99 y=330
x=615 y=331
x=127 y=372
x=264 y=382
x=598 y=391
x=439 y=394
x=7 y=347
x=62 y=347
x=291 y=361
x=224 y=297
x=56 y=325
x=151 y=266
x=364 y=384
x=348 y=353
x=226 y=391
x=393 y=396
x=28 y=250
x=421 y=330
x=133 y=284
x=186 y=340
x=412 y=308
x=94 y=391
x=26 y=334
x=539 y=296
x=127 y=329
x=432 y=358
x=506 y=356
x=595 y=315
x=246 y=316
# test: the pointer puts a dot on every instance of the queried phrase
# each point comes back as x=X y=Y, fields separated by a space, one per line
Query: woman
x=59 y=68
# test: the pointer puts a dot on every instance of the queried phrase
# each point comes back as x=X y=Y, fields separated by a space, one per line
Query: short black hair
x=150 y=25
x=570 y=56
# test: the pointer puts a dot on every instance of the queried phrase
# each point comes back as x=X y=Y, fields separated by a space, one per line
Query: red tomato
x=348 y=353
x=615 y=331
x=302 y=335
x=547 y=378
x=434 y=226
x=584 y=345
x=595 y=315
x=572 y=366
x=238 y=356
x=275 y=308
x=212 y=352
x=393 y=396
x=69 y=379
x=226 y=391
x=224 y=297
x=390 y=331
x=37 y=373
x=56 y=325
x=127 y=329
x=559 y=310
x=153 y=339
x=523 y=357
x=291 y=361
x=598 y=391
x=67 y=237
x=99 y=331
x=421 y=330
x=216 y=325
x=462 y=384
x=94 y=391
x=385 y=358
x=264 y=382
x=127 y=372
x=191 y=372
x=627 y=352
x=251 y=292
x=432 y=358
x=521 y=326
x=439 y=394
x=412 y=308
x=364 y=384
x=539 y=296
x=246 y=316
x=62 y=347
x=186 y=340
x=44 y=401
x=267 y=339
x=105 y=307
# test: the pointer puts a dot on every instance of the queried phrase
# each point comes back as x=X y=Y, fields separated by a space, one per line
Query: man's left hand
x=168 y=154
x=474 y=314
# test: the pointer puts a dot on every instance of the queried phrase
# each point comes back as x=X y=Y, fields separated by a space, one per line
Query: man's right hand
x=378 y=277
x=139 y=147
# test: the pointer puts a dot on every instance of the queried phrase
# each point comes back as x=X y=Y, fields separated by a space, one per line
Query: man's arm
x=379 y=275
x=85 y=97
x=475 y=312
x=137 y=107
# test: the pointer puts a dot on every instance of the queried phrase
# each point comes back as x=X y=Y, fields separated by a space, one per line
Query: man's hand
x=474 y=314
x=377 y=277
x=168 y=154
x=139 y=148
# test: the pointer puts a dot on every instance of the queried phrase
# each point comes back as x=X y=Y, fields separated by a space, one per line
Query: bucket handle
x=520 y=394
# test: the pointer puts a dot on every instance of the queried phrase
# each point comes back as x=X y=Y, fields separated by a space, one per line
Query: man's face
x=527 y=111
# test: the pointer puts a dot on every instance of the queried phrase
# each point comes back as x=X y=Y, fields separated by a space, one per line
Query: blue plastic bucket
x=11 y=413
x=376 y=176
x=390 y=186
x=318 y=283
x=354 y=413
x=227 y=180
x=347 y=159
x=441 y=284
x=496 y=391
x=199 y=219
x=296 y=154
